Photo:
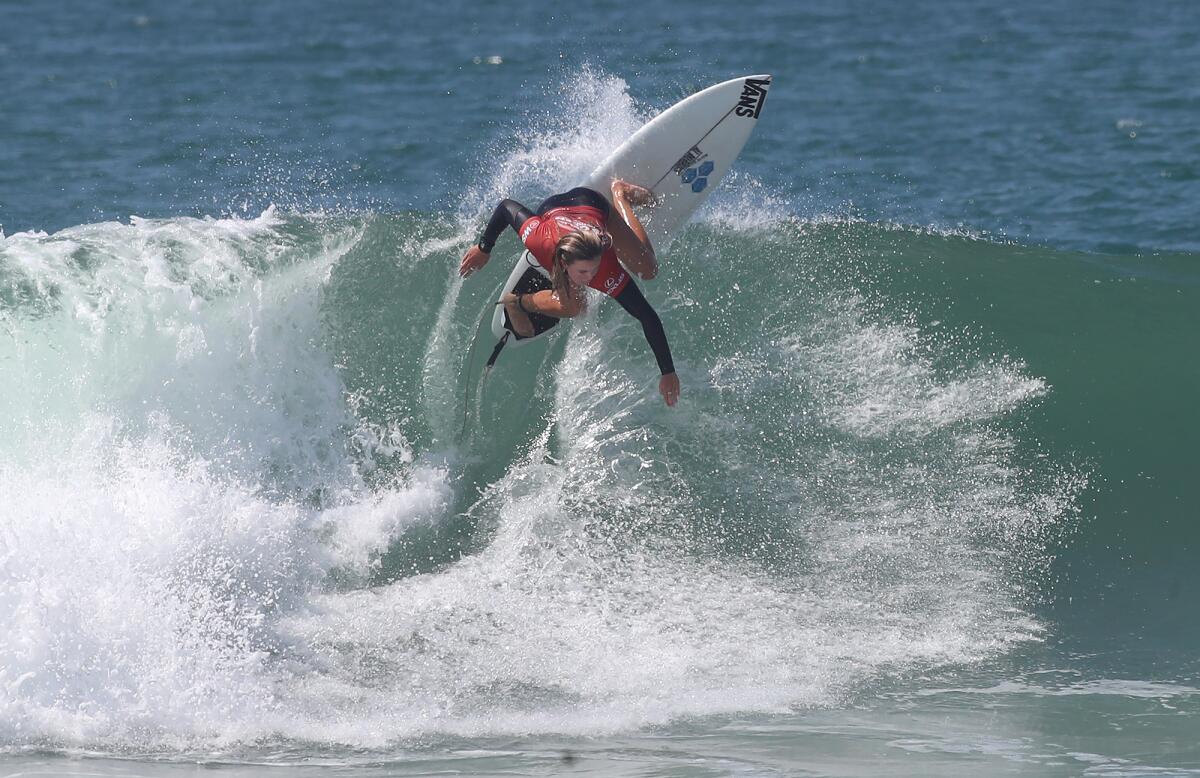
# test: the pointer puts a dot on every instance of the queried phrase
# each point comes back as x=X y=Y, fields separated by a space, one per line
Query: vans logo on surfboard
x=754 y=94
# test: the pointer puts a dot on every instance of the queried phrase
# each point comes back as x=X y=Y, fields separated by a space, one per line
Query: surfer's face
x=582 y=271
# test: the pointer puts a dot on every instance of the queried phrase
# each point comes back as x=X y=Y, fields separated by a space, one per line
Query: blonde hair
x=576 y=245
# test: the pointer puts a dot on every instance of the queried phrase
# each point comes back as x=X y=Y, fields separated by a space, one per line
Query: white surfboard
x=680 y=155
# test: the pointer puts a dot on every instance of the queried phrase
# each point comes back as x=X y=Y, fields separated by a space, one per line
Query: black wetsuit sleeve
x=632 y=300
x=509 y=213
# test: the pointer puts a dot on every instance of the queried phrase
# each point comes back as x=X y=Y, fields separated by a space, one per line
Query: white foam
x=880 y=380
x=1105 y=687
x=136 y=589
x=193 y=483
x=359 y=532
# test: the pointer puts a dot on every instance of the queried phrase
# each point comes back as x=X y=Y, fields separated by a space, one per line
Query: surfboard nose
x=754 y=94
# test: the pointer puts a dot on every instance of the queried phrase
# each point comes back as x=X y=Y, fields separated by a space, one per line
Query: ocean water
x=926 y=507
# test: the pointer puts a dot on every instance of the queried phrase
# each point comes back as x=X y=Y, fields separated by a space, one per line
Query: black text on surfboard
x=754 y=94
x=693 y=155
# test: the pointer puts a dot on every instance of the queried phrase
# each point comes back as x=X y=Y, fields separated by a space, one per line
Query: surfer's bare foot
x=636 y=195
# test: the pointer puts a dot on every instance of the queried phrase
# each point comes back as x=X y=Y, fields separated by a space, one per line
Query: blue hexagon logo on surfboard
x=698 y=176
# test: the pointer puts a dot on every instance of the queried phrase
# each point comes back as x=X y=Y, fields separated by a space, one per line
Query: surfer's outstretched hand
x=474 y=259
x=634 y=194
x=668 y=387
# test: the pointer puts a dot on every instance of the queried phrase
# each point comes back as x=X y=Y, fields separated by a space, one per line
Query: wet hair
x=573 y=247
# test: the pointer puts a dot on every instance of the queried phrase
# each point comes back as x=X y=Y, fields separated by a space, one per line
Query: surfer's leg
x=517 y=316
x=580 y=195
x=629 y=236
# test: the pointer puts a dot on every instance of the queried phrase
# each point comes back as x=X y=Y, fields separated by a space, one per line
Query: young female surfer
x=574 y=239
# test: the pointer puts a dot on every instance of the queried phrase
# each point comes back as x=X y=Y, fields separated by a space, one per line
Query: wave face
x=256 y=490
x=240 y=503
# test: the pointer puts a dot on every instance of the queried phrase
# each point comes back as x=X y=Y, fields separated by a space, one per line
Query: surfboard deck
x=680 y=155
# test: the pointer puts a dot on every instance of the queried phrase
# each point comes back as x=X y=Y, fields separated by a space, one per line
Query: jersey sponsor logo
x=693 y=155
x=530 y=227
x=754 y=94
x=612 y=282
x=571 y=224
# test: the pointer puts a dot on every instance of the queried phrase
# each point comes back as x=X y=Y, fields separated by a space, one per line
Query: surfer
x=573 y=238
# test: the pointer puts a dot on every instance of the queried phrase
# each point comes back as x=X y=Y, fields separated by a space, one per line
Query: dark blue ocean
x=927 y=505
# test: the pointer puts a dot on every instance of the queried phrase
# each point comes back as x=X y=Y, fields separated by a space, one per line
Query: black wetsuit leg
x=510 y=213
x=580 y=195
x=633 y=301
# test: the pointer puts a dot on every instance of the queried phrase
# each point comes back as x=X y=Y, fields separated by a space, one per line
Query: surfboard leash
x=491 y=361
x=496 y=351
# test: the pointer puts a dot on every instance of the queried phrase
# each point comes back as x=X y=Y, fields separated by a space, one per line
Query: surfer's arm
x=509 y=213
x=545 y=302
x=629 y=236
x=632 y=300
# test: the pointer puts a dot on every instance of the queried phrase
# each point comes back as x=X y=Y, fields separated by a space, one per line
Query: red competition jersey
x=541 y=234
